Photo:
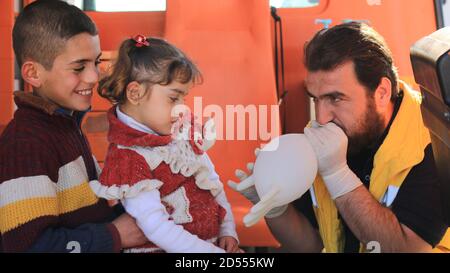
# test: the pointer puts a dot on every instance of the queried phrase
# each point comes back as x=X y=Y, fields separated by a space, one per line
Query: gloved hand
x=329 y=143
x=248 y=190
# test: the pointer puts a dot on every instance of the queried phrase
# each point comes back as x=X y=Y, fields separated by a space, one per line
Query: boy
x=46 y=204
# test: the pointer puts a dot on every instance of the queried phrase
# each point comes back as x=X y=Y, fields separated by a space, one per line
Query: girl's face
x=155 y=109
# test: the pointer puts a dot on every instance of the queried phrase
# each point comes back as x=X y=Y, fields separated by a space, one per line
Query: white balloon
x=284 y=170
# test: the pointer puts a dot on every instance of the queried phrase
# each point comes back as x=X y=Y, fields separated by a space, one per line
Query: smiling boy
x=46 y=204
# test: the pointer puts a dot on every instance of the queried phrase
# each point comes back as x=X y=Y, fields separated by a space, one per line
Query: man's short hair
x=43 y=27
x=356 y=42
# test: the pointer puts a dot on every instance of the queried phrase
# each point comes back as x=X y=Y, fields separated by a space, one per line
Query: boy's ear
x=31 y=73
x=135 y=92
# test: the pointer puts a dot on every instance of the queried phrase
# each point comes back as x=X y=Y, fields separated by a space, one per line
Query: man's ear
x=135 y=92
x=32 y=73
x=383 y=94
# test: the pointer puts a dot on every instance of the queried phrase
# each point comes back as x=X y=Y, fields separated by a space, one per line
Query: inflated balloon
x=284 y=170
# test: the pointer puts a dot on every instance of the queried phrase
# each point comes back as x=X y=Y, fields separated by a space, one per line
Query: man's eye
x=336 y=99
x=333 y=99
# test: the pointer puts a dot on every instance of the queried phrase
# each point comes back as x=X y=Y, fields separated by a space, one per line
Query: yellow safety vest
x=402 y=149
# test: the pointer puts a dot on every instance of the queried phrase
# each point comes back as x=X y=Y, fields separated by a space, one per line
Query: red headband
x=141 y=41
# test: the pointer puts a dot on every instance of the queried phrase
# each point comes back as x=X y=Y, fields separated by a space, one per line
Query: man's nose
x=323 y=113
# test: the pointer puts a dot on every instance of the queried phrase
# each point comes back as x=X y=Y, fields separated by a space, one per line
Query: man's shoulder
x=422 y=179
x=426 y=168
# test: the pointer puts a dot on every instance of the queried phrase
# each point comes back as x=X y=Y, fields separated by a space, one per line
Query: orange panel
x=6 y=7
x=114 y=27
x=6 y=44
x=6 y=75
x=99 y=103
x=95 y=122
x=6 y=111
x=95 y=126
x=99 y=145
x=6 y=62
x=401 y=22
x=231 y=43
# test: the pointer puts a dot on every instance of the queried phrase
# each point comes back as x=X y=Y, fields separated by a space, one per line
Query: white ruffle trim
x=182 y=159
x=124 y=191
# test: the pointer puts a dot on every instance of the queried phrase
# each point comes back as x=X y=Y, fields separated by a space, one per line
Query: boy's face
x=74 y=74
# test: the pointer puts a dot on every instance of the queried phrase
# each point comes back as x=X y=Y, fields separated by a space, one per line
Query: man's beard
x=369 y=129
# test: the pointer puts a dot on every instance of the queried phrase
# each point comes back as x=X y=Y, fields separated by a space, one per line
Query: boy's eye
x=78 y=70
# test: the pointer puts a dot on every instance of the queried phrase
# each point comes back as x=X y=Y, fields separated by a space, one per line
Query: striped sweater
x=46 y=204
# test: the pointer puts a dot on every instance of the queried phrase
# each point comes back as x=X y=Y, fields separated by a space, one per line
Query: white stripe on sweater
x=22 y=188
x=70 y=175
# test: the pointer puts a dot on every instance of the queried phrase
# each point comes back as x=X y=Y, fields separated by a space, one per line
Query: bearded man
x=377 y=188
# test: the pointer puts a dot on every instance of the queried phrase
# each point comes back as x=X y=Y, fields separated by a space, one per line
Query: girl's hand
x=229 y=244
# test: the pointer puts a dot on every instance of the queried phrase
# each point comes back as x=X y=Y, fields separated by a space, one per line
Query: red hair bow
x=141 y=41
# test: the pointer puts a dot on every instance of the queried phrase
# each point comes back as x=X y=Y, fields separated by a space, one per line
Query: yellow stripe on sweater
x=75 y=198
x=21 y=212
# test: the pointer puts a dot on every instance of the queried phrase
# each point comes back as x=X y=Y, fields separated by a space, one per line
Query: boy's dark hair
x=356 y=42
x=157 y=63
x=43 y=27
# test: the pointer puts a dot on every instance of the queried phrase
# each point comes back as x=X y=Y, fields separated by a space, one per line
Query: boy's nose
x=91 y=76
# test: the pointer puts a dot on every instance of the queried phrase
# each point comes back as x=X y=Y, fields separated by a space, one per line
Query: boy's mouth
x=84 y=92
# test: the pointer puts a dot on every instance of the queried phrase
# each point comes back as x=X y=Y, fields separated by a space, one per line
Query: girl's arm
x=151 y=216
x=228 y=227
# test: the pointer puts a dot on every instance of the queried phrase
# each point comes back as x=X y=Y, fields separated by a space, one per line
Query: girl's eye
x=173 y=99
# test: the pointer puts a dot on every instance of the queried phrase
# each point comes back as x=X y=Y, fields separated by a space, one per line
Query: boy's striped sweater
x=45 y=198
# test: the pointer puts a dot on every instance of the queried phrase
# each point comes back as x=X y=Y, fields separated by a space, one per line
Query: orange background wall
x=6 y=62
x=114 y=27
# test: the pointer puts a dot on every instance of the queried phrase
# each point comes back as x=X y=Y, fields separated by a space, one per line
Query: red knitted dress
x=138 y=161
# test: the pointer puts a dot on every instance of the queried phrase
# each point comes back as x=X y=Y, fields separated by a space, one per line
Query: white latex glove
x=329 y=143
x=248 y=190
